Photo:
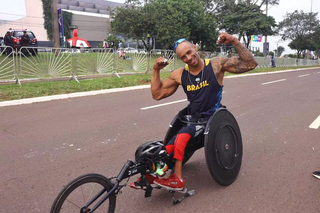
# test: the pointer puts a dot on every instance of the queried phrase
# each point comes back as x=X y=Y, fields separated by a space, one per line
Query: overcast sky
x=11 y=7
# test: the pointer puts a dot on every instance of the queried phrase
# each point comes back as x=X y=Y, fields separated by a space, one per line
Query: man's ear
x=195 y=47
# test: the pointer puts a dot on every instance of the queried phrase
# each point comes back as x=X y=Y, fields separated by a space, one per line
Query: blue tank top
x=203 y=90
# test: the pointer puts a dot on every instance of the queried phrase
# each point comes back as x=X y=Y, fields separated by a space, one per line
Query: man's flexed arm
x=245 y=62
x=166 y=88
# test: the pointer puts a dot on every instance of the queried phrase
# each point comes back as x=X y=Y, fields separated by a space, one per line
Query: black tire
x=77 y=184
x=34 y=52
x=223 y=147
x=9 y=51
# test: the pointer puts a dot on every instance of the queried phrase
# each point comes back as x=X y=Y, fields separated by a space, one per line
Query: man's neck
x=197 y=69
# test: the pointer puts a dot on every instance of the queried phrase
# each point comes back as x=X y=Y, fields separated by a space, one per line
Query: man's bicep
x=169 y=86
x=236 y=65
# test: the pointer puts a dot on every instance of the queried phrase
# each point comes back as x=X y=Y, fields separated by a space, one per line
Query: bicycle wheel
x=80 y=191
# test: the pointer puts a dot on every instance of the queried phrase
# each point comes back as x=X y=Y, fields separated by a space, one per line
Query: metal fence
x=7 y=64
x=47 y=62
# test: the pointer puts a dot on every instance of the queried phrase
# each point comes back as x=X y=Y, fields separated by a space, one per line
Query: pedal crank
x=187 y=194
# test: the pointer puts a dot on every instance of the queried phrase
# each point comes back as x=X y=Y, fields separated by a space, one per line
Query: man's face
x=187 y=52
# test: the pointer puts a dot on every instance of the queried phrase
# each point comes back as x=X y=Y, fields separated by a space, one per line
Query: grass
x=37 y=89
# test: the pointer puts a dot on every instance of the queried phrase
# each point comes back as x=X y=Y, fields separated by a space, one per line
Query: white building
x=91 y=17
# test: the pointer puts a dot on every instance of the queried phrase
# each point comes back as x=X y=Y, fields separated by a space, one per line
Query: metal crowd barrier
x=7 y=64
x=45 y=62
x=93 y=61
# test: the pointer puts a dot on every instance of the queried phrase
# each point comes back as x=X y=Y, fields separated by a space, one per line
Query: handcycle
x=222 y=143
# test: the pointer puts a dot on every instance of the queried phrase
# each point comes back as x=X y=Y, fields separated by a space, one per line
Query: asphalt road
x=45 y=145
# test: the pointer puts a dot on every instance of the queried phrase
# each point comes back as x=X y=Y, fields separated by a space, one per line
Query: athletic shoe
x=172 y=182
x=140 y=184
x=316 y=174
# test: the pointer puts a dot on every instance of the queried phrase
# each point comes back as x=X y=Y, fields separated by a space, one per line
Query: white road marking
x=159 y=105
x=71 y=95
x=271 y=82
x=315 y=124
x=303 y=75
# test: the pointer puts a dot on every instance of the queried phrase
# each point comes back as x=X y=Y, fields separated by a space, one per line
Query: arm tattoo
x=244 y=63
x=218 y=63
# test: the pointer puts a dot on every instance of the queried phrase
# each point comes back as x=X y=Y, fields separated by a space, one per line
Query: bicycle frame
x=129 y=169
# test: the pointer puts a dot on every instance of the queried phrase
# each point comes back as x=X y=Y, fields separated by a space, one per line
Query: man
x=273 y=64
x=120 y=48
x=202 y=81
x=25 y=39
x=8 y=39
x=112 y=45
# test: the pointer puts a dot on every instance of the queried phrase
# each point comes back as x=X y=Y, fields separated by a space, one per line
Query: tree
x=298 y=27
x=47 y=16
x=167 y=21
x=271 y=53
x=280 y=50
x=246 y=20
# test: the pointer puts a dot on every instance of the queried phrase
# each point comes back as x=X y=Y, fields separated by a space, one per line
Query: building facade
x=91 y=17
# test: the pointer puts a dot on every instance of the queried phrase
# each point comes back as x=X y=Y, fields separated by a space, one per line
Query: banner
x=60 y=18
x=256 y=38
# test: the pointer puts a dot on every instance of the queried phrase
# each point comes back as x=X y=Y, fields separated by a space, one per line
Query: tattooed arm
x=244 y=63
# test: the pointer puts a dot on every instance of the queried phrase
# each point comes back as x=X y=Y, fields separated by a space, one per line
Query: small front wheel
x=81 y=194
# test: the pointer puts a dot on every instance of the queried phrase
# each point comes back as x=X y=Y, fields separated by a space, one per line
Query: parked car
x=17 y=43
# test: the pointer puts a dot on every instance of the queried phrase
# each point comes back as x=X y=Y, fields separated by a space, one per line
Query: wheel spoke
x=91 y=193
x=73 y=204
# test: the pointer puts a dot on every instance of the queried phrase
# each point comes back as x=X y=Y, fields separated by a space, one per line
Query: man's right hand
x=160 y=63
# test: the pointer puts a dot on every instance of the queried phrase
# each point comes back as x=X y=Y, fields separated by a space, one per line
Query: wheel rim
x=226 y=147
x=80 y=196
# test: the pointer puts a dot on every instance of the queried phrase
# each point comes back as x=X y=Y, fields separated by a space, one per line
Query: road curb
x=71 y=95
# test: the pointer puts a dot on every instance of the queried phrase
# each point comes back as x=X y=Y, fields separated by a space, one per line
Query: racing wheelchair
x=222 y=144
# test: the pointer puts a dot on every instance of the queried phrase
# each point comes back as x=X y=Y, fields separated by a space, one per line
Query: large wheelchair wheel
x=76 y=195
x=223 y=147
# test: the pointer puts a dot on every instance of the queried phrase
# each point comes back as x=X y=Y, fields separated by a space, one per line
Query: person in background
x=25 y=39
x=112 y=45
x=8 y=41
x=273 y=64
x=105 y=44
x=120 y=49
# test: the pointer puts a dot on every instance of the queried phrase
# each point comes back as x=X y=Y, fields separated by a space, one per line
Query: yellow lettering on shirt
x=199 y=86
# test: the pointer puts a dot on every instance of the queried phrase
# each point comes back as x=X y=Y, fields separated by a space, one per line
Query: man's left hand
x=226 y=38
